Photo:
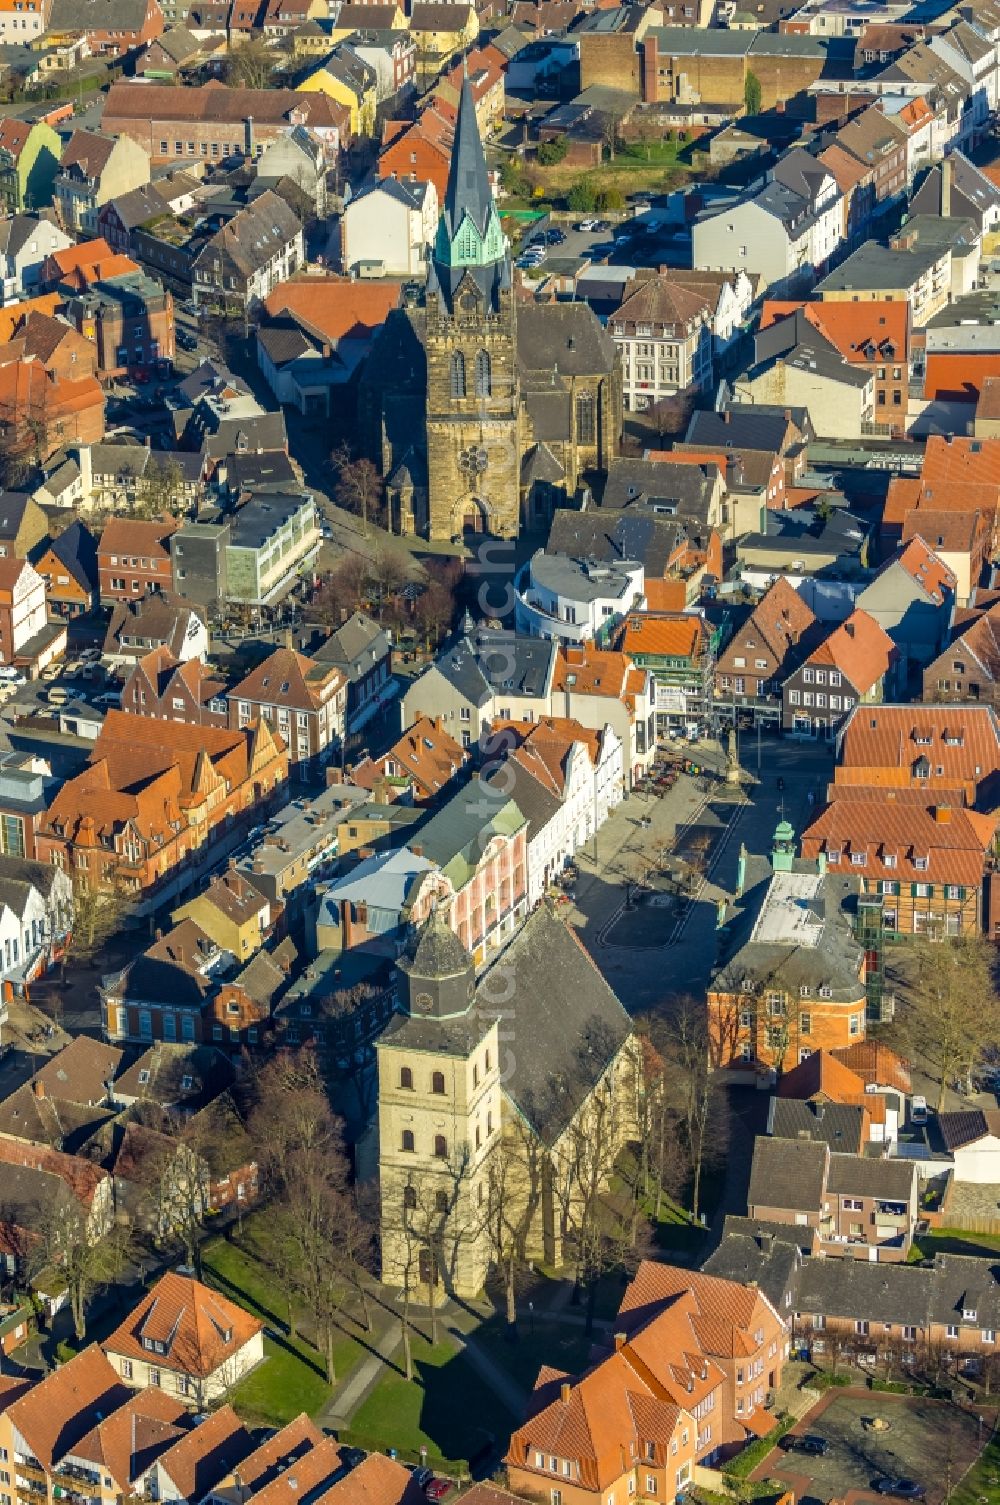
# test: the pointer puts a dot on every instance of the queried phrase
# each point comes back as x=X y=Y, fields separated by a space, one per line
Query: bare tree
x=359 y=486
x=690 y=1084
x=86 y=1254
x=251 y=66
x=98 y=913
x=513 y=1201
x=160 y=488
x=945 y=1010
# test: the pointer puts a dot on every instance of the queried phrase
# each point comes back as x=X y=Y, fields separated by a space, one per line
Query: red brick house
x=133 y=558
x=162 y=687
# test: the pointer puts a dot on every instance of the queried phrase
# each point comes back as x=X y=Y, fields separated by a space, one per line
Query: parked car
x=585 y=224
x=903 y=1489
x=11 y=675
x=555 y=237
x=918 y=1109
x=438 y=1489
x=186 y=341
x=807 y=1443
x=423 y=1477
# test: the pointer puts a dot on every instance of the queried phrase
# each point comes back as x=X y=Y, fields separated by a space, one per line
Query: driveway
x=932 y=1442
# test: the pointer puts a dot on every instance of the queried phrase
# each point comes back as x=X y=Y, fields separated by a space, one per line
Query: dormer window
x=968 y=1314
x=143 y=1078
x=920 y=863
x=833 y=855
x=859 y=859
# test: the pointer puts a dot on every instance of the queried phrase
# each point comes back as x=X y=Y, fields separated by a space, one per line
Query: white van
x=918 y=1109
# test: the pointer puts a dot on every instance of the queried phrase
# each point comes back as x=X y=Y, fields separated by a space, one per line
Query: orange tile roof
x=376 y=1480
x=192 y=1321
x=673 y=637
x=923 y=565
x=425 y=751
x=847 y=170
x=957 y=378
x=952 y=843
x=83 y=254
x=821 y=1075
x=313 y=1473
x=863 y=332
x=666 y=595
x=12 y=317
x=270 y=1459
x=63 y=1407
x=287 y=678
x=206 y=1456
x=622 y=1399
x=127 y=535
x=543 y=747
x=958 y=461
x=595 y=671
x=877 y=1064
x=953 y=532
x=782 y=616
x=860 y=648
x=881 y=743
x=336 y=308
x=729 y=1307
x=988 y=405
x=125 y=1443
x=102 y=269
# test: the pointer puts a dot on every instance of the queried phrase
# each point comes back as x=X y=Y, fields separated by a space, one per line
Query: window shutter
x=961 y=893
x=913 y=890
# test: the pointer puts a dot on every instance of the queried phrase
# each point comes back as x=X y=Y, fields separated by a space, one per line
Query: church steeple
x=469 y=238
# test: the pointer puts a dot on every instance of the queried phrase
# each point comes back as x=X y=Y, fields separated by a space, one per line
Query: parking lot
x=931 y=1442
x=644 y=239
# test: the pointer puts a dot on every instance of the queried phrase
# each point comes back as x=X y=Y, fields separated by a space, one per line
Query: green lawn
x=954 y=1241
x=982 y=1482
x=447 y=1409
x=292 y=1377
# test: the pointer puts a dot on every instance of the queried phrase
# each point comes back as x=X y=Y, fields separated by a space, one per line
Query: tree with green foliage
x=551 y=152
x=582 y=197
x=610 y=199
x=752 y=94
x=512 y=178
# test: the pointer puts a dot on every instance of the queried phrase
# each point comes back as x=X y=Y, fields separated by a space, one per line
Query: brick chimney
x=942 y=814
x=38 y=1087
x=564 y=1392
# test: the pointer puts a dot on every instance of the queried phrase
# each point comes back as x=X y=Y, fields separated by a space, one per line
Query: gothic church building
x=485 y=412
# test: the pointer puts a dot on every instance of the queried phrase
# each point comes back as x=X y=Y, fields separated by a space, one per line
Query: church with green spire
x=485 y=410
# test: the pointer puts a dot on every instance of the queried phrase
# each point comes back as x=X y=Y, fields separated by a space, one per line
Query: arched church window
x=484 y=375
x=585 y=423
x=437 y=1082
x=458 y=374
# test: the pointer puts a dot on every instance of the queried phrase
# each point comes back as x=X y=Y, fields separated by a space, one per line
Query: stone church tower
x=473 y=401
x=439 y=1099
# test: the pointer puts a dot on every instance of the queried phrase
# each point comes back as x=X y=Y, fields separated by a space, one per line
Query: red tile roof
x=881 y=743
x=923 y=565
x=63 y=1407
x=860 y=648
x=200 y=1328
x=890 y=836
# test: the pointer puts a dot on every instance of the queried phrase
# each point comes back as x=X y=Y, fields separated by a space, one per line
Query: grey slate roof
x=675 y=490
x=566 y=1024
x=482 y=662
x=787 y=1173
x=355 y=647
x=824 y=955
x=742 y=427
x=76 y=550
x=617 y=536
x=537 y=804
x=562 y=339
x=463 y=826
x=837 y=1124
x=859 y=1176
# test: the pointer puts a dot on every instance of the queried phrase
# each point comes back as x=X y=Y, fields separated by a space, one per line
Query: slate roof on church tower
x=468 y=190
